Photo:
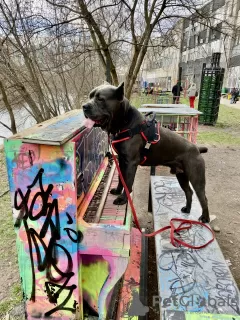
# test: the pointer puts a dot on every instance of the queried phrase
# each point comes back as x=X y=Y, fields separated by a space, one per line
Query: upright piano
x=73 y=244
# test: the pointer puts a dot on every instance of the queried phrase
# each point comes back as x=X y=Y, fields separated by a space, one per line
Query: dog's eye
x=100 y=99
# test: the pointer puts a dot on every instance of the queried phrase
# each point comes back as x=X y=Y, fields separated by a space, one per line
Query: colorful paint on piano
x=129 y=300
x=60 y=254
x=103 y=252
x=91 y=147
x=41 y=180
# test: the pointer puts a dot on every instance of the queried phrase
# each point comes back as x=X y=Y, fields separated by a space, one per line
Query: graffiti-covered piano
x=73 y=243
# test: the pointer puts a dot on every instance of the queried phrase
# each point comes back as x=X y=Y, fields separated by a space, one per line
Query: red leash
x=184 y=224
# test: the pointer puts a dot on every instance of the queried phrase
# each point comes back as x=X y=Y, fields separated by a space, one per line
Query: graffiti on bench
x=189 y=280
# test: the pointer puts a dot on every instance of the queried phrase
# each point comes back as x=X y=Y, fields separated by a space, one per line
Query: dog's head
x=106 y=106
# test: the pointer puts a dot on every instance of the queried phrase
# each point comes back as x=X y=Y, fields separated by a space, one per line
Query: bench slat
x=188 y=280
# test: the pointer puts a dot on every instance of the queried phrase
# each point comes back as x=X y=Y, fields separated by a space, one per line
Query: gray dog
x=110 y=110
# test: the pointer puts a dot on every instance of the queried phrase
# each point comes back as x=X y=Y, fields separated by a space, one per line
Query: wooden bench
x=78 y=253
x=192 y=284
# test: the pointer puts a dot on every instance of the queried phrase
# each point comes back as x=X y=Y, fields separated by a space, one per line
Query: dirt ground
x=223 y=183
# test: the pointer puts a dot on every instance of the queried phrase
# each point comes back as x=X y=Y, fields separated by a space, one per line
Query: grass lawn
x=138 y=100
x=220 y=138
x=226 y=132
x=228 y=117
x=7 y=245
x=14 y=300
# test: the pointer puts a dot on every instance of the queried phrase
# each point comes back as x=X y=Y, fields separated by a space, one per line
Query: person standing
x=233 y=95
x=236 y=95
x=175 y=93
x=192 y=93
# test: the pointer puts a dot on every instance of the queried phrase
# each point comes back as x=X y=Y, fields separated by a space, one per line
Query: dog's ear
x=120 y=92
x=92 y=93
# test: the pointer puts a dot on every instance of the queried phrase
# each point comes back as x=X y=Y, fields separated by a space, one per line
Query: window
x=185 y=23
x=237 y=40
x=215 y=32
x=202 y=37
x=184 y=42
x=206 y=10
x=218 y=4
x=192 y=42
x=229 y=10
x=196 y=40
x=191 y=56
x=184 y=58
x=209 y=51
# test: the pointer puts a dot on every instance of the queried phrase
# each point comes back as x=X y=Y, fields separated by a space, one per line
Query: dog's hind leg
x=198 y=182
x=184 y=184
x=204 y=204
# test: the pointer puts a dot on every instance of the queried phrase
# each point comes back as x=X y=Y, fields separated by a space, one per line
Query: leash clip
x=148 y=145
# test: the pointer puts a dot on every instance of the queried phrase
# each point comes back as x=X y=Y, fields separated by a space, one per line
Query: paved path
x=227 y=103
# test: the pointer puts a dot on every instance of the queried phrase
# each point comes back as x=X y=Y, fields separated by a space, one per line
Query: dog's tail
x=203 y=149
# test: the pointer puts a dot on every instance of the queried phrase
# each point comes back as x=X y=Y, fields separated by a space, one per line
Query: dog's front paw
x=120 y=200
x=185 y=210
x=115 y=191
x=204 y=219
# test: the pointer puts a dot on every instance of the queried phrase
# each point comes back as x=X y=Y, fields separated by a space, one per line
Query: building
x=218 y=30
x=233 y=75
x=161 y=64
x=215 y=33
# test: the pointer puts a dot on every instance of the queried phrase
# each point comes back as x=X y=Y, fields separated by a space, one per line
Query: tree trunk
x=27 y=97
x=104 y=46
x=9 y=108
x=137 y=65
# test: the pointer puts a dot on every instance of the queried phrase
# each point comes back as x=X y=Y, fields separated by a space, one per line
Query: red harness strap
x=127 y=134
x=158 y=134
x=184 y=223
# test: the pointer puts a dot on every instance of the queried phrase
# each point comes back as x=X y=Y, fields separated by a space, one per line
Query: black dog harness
x=149 y=130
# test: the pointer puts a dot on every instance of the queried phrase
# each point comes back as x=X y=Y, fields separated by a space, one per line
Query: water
x=23 y=121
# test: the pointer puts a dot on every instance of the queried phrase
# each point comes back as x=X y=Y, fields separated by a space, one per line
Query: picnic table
x=169 y=110
x=163 y=105
x=183 y=120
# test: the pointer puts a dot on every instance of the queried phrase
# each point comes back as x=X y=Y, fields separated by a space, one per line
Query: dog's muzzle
x=100 y=120
x=88 y=111
x=86 y=108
